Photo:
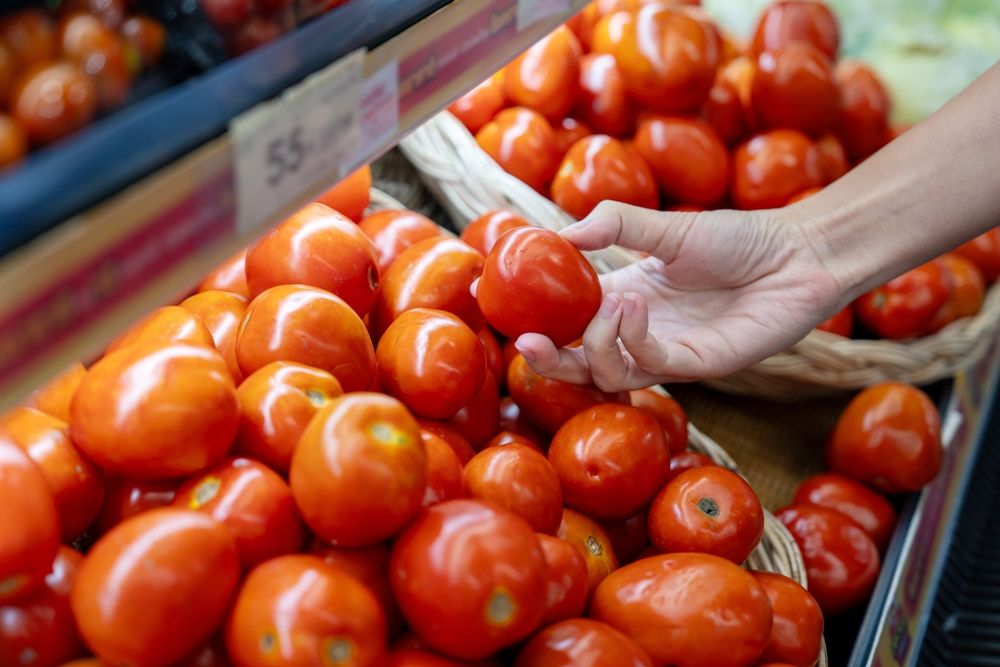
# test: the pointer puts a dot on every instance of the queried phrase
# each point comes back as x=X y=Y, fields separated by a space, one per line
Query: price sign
x=291 y=146
x=530 y=12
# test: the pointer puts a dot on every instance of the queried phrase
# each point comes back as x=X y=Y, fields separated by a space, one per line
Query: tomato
x=867 y=508
x=359 y=471
x=546 y=76
x=30 y=36
x=728 y=108
x=629 y=537
x=797 y=628
x=212 y=654
x=603 y=102
x=842 y=323
x=479 y=420
x=478 y=106
x=863 y=124
x=504 y=438
x=8 y=68
x=417 y=657
x=832 y=157
x=226 y=13
x=165 y=325
x=111 y=12
x=568 y=131
x=905 y=306
x=788 y=21
x=124 y=498
x=689 y=161
x=352 y=195
x=173 y=561
x=794 y=88
x=230 y=276
x=101 y=52
x=253 y=32
x=483 y=232
x=654 y=602
x=566 y=572
x=77 y=486
x=968 y=291
x=469 y=577
x=984 y=252
x=513 y=421
x=771 y=167
x=298 y=610
x=432 y=362
x=370 y=566
x=673 y=420
x=550 y=403
x=54 y=396
x=581 y=642
x=293 y=323
x=889 y=436
x=494 y=355
x=593 y=543
x=444 y=471
x=41 y=630
x=805 y=194
x=393 y=231
x=50 y=101
x=687 y=460
x=433 y=273
x=458 y=442
x=598 y=168
x=522 y=142
x=146 y=37
x=842 y=562
x=221 y=312
x=519 y=479
x=13 y=140
x=534 y=280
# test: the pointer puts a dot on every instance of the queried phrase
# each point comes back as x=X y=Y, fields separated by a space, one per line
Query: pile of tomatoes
x=247 y=24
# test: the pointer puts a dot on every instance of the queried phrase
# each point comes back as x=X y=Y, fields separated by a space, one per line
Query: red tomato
x=546 y=76
x=805 y=194
x=469 y=577
x=53 y=100
x=432 y=362
x=319 y=247
x=905 y=306
x=413 y=657
x=598 y=168
x=253 y=32
x=370 y=566
x=458 y=442
x=629 y=537
x=590 y=539
x=298 y=610
x=156 y=411
x=603 y=102
x=842 y=323
x=863 y=124
x=13 y=140
x=494 y=355
x=221 y=312
x=127 y=497
x=968 y=291
x=832 y=157
x=581 y=642
x=212 y=654
x=169 y=324
x=293 y=323
x=30 y=36
x=867 y=508
x=478 y=106
x=984 y=252
x=728 y=109
x=771 y=167
x=709 y=510
x=354 y=450
x=519 y=479
x=504 y=438
x=673 y=420
x=444 y=471
x=8 y=68
x=146 y=37
x=568 y=132
x=687 y=460
x=230 y=276
x=566 y=572
x=227 y=13
x=689 y=161
x=794 y=88
x=842 y=562
x=479 y=421
x=41 y=630
x=889 y=436
x=77 y=486
x=350 y=196
x=788 y=21
x=536 y=281
x=513 y=421
x=522 y=142
x=393 y=231
x=137 y=591
x=101 y=52
x=55 y=396
x=483 y=232
x=797 y=628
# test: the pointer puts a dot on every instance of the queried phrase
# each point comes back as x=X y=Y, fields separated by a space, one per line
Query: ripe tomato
x=788 y=21
x=293 y=323
x=54 y=397
x=212 y=654
x=536 y=281
x=169 y=324
x=984 y=252
x=568 y=132
x=581 y=642
x=841 y=560
x=221 y=312
x=629 y=537
x=590 y=539
x=494 y=355
x=393 y=231
x=611 y=460
x=479 y=420
x=30 y=36
x=968 y=291
x=805 y=194
x=867 y=508
x=842 y=323
x=415 y=657
x=797 y=628
x=350 y=196
x=523 y=143
x=794 y=88
x=598 y=168
x=566 y=572
x=603 y=102
x=53 y=100
x=728 y=109
x=432 y=362
x=41 y=630
x=889 y=437
x=863 y=124
x=146 y=37
x=519 y=479
x=687 y=460
x=550 y=403
x=124 y=498
x=102 y=52
x=483 y=232
x=690 y=162
x=319 y=247
x=370 y=566
x=13 y=140
x=771 y=167
x=832 y=158
x=458 y=442
x=546 y=76
x=469 y=577
x=512 y=420
x=673 y=420
x=253 y=32
x=444 y=471
x=355 y=449
x=230 y=276
x=174 y=561
x=76 y=485
x=478 y=106
x=905 y=306
x=227 y=13
x=298 y=610
x=8 y=68
x=504 y=438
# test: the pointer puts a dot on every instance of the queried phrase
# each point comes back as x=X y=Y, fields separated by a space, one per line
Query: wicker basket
x=468 y=183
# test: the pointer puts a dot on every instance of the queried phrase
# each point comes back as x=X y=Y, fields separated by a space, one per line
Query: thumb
x=641 y=229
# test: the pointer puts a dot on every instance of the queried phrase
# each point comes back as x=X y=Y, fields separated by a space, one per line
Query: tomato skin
x=842 y=323
x=842 y=562
x=797 y=628
x=869 y=509
x=793 y=87
x=568 y=131
x=169 y=324
x=520 y=480
x=603 y=102
x=687 y=460
x=790 y=21
x=689 y=160
x=354 y=450
x=370 y=566
x=351 y=196
x=592 y=542
x=478 y=106
x=469 y=577
x=13 y=140
x=581 y=642
x=53 y=100
x=173 y=561
x=221 y=312
x=212 y=654
x=863 y=124
x=889 y=437
x=494 y=355
x=444 y=471
x=299 y=611
x=30 y=36
x=458 y=442
x=511 y=420
x=832 y=158
x=230 y=276
x=415 y=657
x=653 y=602
x=522 y=142
x=504 y=438
x=673 y=420
x=146 y=37
x=772 y=166
x=600 y=167
x=545 y=77
x=54 y=397
x=984 y=252
x=611 y=460
x=124 y=498
x=968 y=291
x=566 y=572
x=292 y=323
x=629 y=537
x=483 y=232
x=904 y=306
x=393 y=231
x=432 y=362
x=479 y=420
x=536 y=281
x=728 y=108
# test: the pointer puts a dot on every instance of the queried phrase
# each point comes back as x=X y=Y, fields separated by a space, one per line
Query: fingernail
x=525 y=352
x=576 y=226
x=608 y=306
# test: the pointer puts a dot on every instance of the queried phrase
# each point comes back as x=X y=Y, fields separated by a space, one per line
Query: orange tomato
x=30 y=36
x=794 y=88
x=479 y=420
x=603 y=102
x=984 y=252
x=350 y=196
x=444 y=470
x=101 y=51
x=797 y=627
x=969 y=290
x=728 y=108
x=124 y=498
x=393 y=231
x=483 y=232
x=370 y=566
x=581 y=641
x=805 y=194
x=832 y=157
x=568 y=132
x=169 y=324
x=772 y=166
x=598 y=168
x=478 y=106
x=788 y=21
x=863 y=124
x=13 y=140
x=51 y=101
x=566 y=571
x=592 y=542
x=230 y=276
x=221 y=312
x=519 y=479
x=673 y=420
x=842 y=323
x=546 y=76
x=522 y=142
x=54 y=397
x=689 y=160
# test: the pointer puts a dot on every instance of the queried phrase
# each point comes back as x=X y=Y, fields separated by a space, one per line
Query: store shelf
x=163 y=177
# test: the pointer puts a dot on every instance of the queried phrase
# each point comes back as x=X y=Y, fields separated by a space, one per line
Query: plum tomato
x=392 y=231
x=967 y=294
x=728 y=108
x=546 y=76
x=568 y=131
x=169 y=324
x=55 y=396
x=124 y=498
x=458 y=442
x=842 y=323
x=483 y=232
x=603 y=102
x=689 y=160
x=629 y=537
x=788 y=21
x=581 y=642
x=687 y=460
x=350 y=196
x=230 y=276
x=519 y=479
x=522 y=142
x=772 y=167
x=794 y=88
x=221 y=312
x=53 y=100
x=797 y=627
x=593 y=543
x=863 y=123
x=600 y=167
x=444 y=470
x=566 y=572
x=479 y=420
x=370 y=566
x=869 y=509
x=904 y=306
x=478 y=106
x=673 y=420
x=984 y=252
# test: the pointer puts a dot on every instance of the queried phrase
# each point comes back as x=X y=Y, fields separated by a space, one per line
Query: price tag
x=530 y=12
x=298 y=143
x=379 y=112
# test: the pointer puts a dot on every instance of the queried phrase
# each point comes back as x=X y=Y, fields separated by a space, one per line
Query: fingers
x=612 y=223
x=600 y=345
x=566 y=364
x=649 y=354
